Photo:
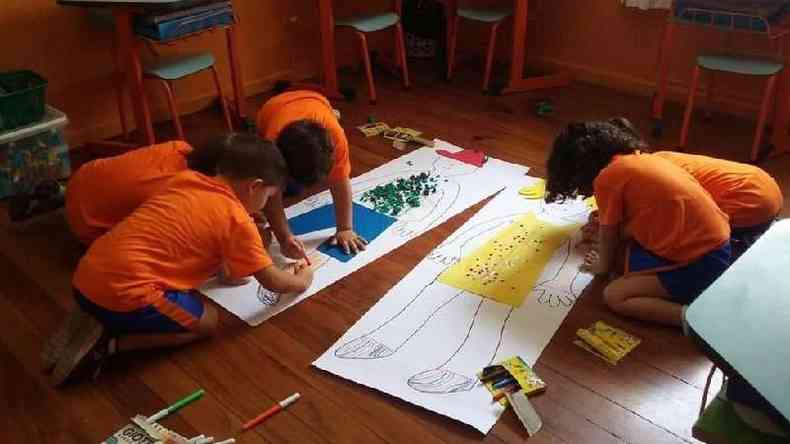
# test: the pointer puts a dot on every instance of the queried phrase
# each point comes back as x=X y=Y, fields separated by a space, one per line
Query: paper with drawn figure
x=425 y=341
x=458 y=187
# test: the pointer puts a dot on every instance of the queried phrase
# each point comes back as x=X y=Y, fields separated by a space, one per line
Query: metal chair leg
x=766 y=105
x=171 y=100
x=223 y=103
x=490 y=55
x=689 y=106
x=363 y=42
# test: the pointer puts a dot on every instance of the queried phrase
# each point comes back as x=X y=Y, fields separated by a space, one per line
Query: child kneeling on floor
x=138 y=280
x=678 y=237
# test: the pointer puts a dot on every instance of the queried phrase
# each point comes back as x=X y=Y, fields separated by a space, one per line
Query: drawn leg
x=478 y=349
x=397 y=330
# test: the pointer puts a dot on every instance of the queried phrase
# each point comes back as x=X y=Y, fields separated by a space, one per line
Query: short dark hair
x=579 y=154
x=308 y=151
x=240 y=156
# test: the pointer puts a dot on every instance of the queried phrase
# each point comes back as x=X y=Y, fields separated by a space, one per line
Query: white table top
x=745 y=316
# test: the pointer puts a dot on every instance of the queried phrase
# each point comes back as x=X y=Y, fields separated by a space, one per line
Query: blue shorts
x=684 y=283
x=178 y=312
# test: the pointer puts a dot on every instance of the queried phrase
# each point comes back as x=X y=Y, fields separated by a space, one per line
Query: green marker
x=177 y=406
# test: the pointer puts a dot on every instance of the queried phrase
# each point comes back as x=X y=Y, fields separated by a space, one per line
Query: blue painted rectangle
x=367 y=223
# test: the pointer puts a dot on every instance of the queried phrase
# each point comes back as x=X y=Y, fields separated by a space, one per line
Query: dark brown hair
x=240 y=156
x=308 y=151
x=582 y=150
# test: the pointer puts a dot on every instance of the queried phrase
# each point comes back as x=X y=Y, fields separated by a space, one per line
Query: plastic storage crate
x=33 y=154
x=22 y=99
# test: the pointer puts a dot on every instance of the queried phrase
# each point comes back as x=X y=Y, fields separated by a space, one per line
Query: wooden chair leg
x=451 y=45
x=490 y=55
x=171 y=100
x=223 y=103
x=118 y=80
x=689 y=106
x=758 y=134
x=401 y=49
x=709 y=95
x=363 y=43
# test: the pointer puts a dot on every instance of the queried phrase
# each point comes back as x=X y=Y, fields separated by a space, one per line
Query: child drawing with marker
x=134 y=285
x=676 y=237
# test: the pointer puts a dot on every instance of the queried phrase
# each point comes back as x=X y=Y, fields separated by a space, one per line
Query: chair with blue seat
x=362 y=25
x=168 y=69
x=492 y=17
x=742 y=65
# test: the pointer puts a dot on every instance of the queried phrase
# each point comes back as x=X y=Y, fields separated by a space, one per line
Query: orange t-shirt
x=103 y=192
x=749 y=195
x=661 y=206
x=284 y=109
x=176 y=240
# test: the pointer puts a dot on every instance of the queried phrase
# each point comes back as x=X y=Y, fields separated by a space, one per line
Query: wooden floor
x=651 y=397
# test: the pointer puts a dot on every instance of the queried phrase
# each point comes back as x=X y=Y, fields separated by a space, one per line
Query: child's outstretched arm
x=295 y=278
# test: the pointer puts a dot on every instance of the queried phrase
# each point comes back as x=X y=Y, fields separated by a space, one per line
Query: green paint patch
x=401 y=194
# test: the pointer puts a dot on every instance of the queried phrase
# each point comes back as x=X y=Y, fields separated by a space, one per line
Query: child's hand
x=293 y=248
x=592 y=263
x=303 y=271
x=349 y=241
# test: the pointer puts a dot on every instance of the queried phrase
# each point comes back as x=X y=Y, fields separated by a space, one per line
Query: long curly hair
x=582 y=150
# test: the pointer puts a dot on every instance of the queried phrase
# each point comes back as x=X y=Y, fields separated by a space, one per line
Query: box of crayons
x=511 y=376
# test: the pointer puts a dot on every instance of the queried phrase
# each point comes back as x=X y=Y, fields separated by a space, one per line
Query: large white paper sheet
x=460 y=186
x=424 y=341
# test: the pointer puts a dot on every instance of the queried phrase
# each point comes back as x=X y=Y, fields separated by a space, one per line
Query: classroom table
x=780 y=139
x=123 y=12
x=745 y=316
x=516 y=83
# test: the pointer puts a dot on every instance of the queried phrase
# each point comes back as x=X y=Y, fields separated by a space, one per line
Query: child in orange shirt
x=679 y=237
x=315 y=148
x=138 y=279
x=748 y=195
x=103 y=192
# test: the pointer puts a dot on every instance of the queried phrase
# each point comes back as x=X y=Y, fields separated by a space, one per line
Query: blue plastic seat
x=739 y=65
x=370 y=23
x=734 y=64
x=178 y=67
x=365 y=24
x=485 y=15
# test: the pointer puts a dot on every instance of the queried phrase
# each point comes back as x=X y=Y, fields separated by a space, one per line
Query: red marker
x=272 y=411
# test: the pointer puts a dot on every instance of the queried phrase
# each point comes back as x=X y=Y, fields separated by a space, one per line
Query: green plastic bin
x=22 y=99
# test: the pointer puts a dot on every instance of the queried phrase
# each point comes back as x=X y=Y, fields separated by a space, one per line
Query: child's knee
x=209 y=322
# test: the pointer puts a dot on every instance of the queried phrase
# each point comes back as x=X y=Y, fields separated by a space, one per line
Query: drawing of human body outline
x=448 y=377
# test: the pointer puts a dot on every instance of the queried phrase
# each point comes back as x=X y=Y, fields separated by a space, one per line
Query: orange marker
x=271 y=412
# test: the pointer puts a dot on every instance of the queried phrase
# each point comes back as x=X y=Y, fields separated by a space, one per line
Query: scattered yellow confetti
x=534 y=191
x=506 y=267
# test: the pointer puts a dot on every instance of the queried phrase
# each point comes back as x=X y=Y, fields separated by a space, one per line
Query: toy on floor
x=608 y=343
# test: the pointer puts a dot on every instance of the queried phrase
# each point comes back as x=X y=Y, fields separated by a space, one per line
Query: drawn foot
x=441 y=381
x=364 y=347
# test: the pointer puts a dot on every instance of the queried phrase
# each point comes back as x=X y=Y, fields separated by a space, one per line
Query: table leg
x=134 y=74
x=329 y=64
x=662 y=69
x=239 y=113
x=519 y=83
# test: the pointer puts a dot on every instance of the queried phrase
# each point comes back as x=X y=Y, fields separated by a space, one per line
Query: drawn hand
x=447 y=258
x=555 y=298
x=349 y=241
x=293 y=248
